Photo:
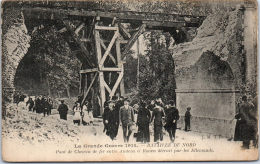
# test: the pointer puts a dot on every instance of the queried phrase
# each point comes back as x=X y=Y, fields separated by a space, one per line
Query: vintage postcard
x=129 y=80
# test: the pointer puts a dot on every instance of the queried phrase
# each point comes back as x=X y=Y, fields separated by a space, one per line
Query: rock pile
x=33 y=128
x=220 y=33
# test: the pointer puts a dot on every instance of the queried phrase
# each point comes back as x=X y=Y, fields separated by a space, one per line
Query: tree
x=157 y=69
x=59 y=67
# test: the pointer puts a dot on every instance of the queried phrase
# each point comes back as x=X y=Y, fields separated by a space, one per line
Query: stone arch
x=15 y=45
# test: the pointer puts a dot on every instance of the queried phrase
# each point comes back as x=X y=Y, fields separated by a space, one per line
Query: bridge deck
x=149 y=18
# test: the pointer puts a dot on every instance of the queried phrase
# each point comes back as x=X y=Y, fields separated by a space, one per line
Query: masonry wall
x=213 y=94
x=208 y=88
x=212 y=111
x=250 y=42
x=15 y=43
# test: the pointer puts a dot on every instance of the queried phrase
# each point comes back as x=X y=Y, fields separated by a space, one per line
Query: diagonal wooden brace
x=107 y=87
x=90 y=86
x=124 y=31
x=120 y=77
x=101 y=63
x=105 y=47
x=82 y=46
x=132 y=40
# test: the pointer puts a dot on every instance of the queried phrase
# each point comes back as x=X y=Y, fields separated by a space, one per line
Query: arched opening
x=208 y=88
x=29 y=78
x=39 y=80
x=49 y=67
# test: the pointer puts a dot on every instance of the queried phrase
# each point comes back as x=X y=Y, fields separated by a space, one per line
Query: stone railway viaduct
x=100 y=54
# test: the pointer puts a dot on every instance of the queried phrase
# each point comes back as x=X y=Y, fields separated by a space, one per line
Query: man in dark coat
x=110 y=120
x=38 y=105
x=126 y=119
x=248 y=121
x=46 y=107
x=63 y=110
x=157 y=116
x=172 y=116
x=42 y=104
x=143 y=120
x=30 y=103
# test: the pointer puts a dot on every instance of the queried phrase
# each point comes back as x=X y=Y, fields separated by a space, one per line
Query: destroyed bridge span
x=102 y=41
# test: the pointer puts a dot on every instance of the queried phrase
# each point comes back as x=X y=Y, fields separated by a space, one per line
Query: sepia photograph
x=129 y=80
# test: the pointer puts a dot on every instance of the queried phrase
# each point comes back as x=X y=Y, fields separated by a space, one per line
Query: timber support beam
x=133 y=39
x=90 y=62
x=109 y=49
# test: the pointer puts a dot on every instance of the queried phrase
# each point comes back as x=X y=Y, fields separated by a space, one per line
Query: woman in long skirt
x=85 y=119
x=90 y=115
x=77 y=117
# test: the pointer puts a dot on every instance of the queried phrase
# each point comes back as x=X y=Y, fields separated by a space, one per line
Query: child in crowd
x=187 y=119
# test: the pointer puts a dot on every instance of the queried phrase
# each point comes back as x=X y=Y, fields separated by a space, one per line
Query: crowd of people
x=81 y=113
x=41 y=104
x=44 y=104
x=118 y=113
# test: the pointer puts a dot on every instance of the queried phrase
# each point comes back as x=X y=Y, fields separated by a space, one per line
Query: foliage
x=56 y=61
x=199 y=8
x=249 y=89
x=157 y=69
x=130 y=72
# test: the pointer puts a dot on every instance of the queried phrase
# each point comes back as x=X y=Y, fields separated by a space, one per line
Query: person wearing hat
x=110 y=120
x=119 y=102
x=143 y=120
x=172 y=116
x=247 y=122
x=42 y=104
x=30 y=104
x=63 y=110
x=157 y=117
x=45 y=106
x=126 y=119
x=187 y=119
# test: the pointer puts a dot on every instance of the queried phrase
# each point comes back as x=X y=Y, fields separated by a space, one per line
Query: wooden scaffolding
x=102 y=43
